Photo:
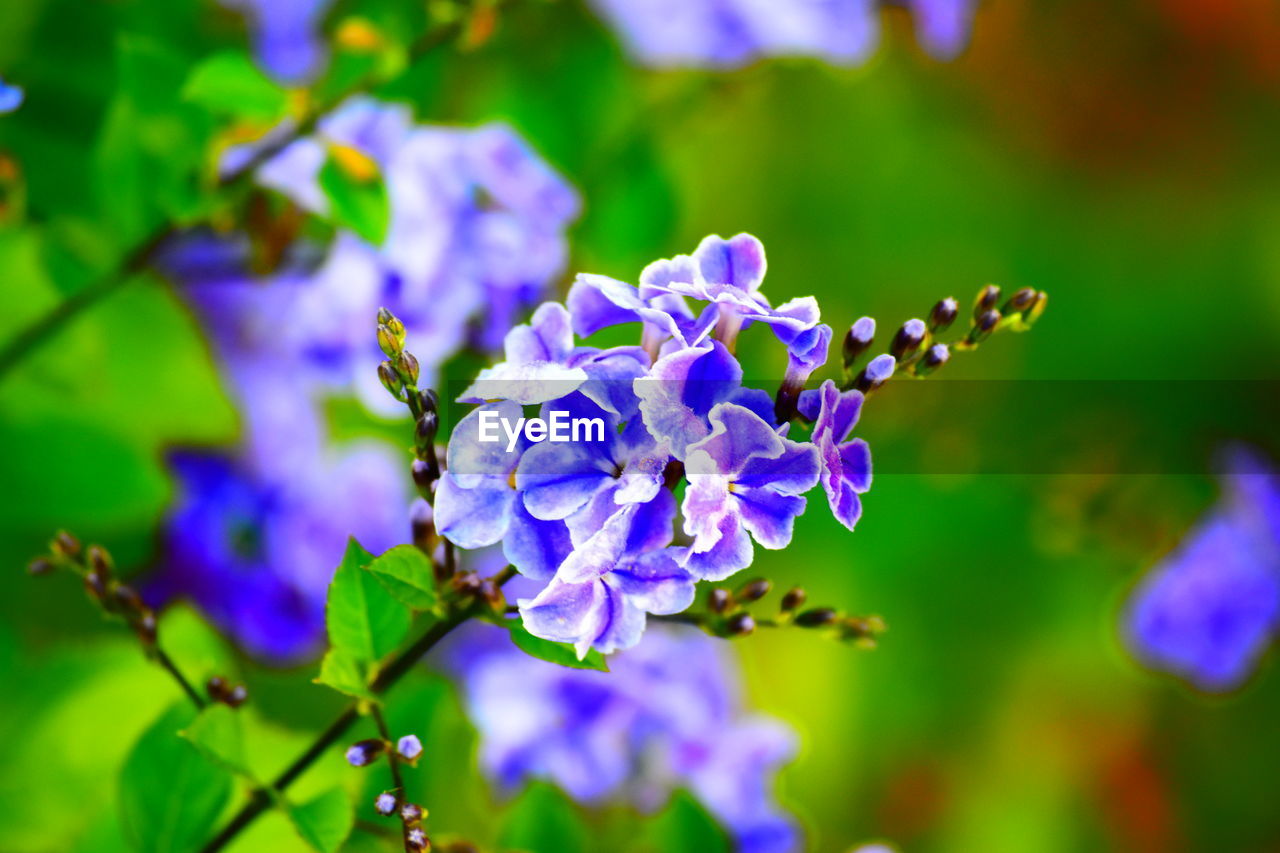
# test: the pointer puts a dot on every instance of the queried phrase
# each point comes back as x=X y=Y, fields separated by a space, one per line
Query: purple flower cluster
x=594 y=518
x=1211 y=609
x=733 y=33
x=667 y=715
x=477 y=231
x=286 y=35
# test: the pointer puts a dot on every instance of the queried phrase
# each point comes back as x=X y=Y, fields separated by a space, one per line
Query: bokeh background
x=1120 y=156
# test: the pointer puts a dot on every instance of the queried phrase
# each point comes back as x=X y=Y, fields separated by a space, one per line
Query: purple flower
x=846 y=465
x=11 y=97
x=744 y=478
x=365 y=752
x=409 y=747
x=385 y=804
x=285 y=35
x=1210 y=610
x=667 y=715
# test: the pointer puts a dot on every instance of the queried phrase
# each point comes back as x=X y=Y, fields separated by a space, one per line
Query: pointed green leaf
x=230 y=83
x=355 y=202
x=364 y=620
x=219 y=735
x=543 y=820
x=170 y=794
x=326 y=821
x=345 y=674
x=406 y=573
x=561 y=653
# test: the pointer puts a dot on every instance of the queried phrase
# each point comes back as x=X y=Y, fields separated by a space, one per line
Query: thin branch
x=162 y=658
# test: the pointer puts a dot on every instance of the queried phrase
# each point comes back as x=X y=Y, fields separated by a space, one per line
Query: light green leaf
x=543 y=820
x=170 y=795
x=345 y=674
x=364 y=620
x=219 y=735
x=326 y=821
x=360 y=204
x=406 y=573
x=561 y=653
x=230 y=83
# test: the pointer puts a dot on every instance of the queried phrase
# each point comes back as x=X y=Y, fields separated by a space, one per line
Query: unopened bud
x=908 y=339
x=385 y=317
x=427 y=426
x=424 y=473
x=719 y=600
x=816 y=618
x=409 y=747
x=859 y=338
x=365 y=752
x=100 y=560
x=96 y=585
x=936 y=356
x=492 y=595
x=407 y=366
x=389 y=342
x=390 y=379
x=943 y=314
x=429 y=400
x=1020 y=301
x=1037 y=308
x=741 y=624
x=754 y=590
x=145 y=627
x=385 y=804
x=987 y=299
x=412 y=813
x=416 y=841
x=237 y=696
x=66 y=545
x=793 y=598
x=983 y=328
x=875 y=374
x=40 y=566
x=127 y=599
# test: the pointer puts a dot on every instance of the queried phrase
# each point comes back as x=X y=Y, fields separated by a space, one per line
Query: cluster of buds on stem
x=231 y=695
x=399 y=375
x=857 y=343
x=728 y=615
x=97 y=571
x=405 y=750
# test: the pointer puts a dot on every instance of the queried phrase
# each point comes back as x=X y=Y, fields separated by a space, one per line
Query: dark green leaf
x=324 y=822
x=364 y=620
x=345 y=674
x=561 y=653
x=356 y=202
x=543 y=820
x=170 y=794
x=406 y=573
x=684 y=826
x=230 y=83
x=219 y=735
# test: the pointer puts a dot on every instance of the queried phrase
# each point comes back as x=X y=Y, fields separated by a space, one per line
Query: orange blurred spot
x=358 y=165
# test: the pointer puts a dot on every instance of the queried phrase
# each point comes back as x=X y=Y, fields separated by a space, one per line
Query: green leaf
x=345 y=674
x=170 y=795
x=230 y=83
x=406 y=573
x=364 y=620
x=360 y=204
x=561 y=653
x=326 y=821
x=543 y=820
x=684 y=826
x=219 y=735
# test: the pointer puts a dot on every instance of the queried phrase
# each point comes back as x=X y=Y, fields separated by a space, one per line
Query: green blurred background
x=1118 y=156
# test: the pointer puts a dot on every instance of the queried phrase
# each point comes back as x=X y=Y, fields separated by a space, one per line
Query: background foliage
x=1119 y=157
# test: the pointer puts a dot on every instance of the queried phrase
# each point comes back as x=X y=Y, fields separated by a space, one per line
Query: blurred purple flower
x=726 y=34
x=1211 y=609
x=11 y=97
x=668 y=715
x=286 y=35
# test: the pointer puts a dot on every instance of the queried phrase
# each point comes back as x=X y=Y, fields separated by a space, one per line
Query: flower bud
x=385 y=316
x=127 y=599
x=859 y=338
x=390 y=379
x=987 y=299
x=875 y=374
x=390 y=344
x=407 y=366
x=66 y=545
x=984 y=326
x=816 y=618
x=934 y=357
x=943 y=314
x=1020 y=301
x=908 y=339
x=96 y=585
x=427 y=426
x=412 y=813
x=754 y=590
x=1037 y=308
x=793 y=598
x=415 y=841
x=740 y=624
x=40 y=566
x=492 y=595
x=365 y=752
x=429 y=400
x=100 y=560
x=409 y=747
x=424 y=473
x=719 y=600
x=385 y=804
x=237 y=696
x=146 y=629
